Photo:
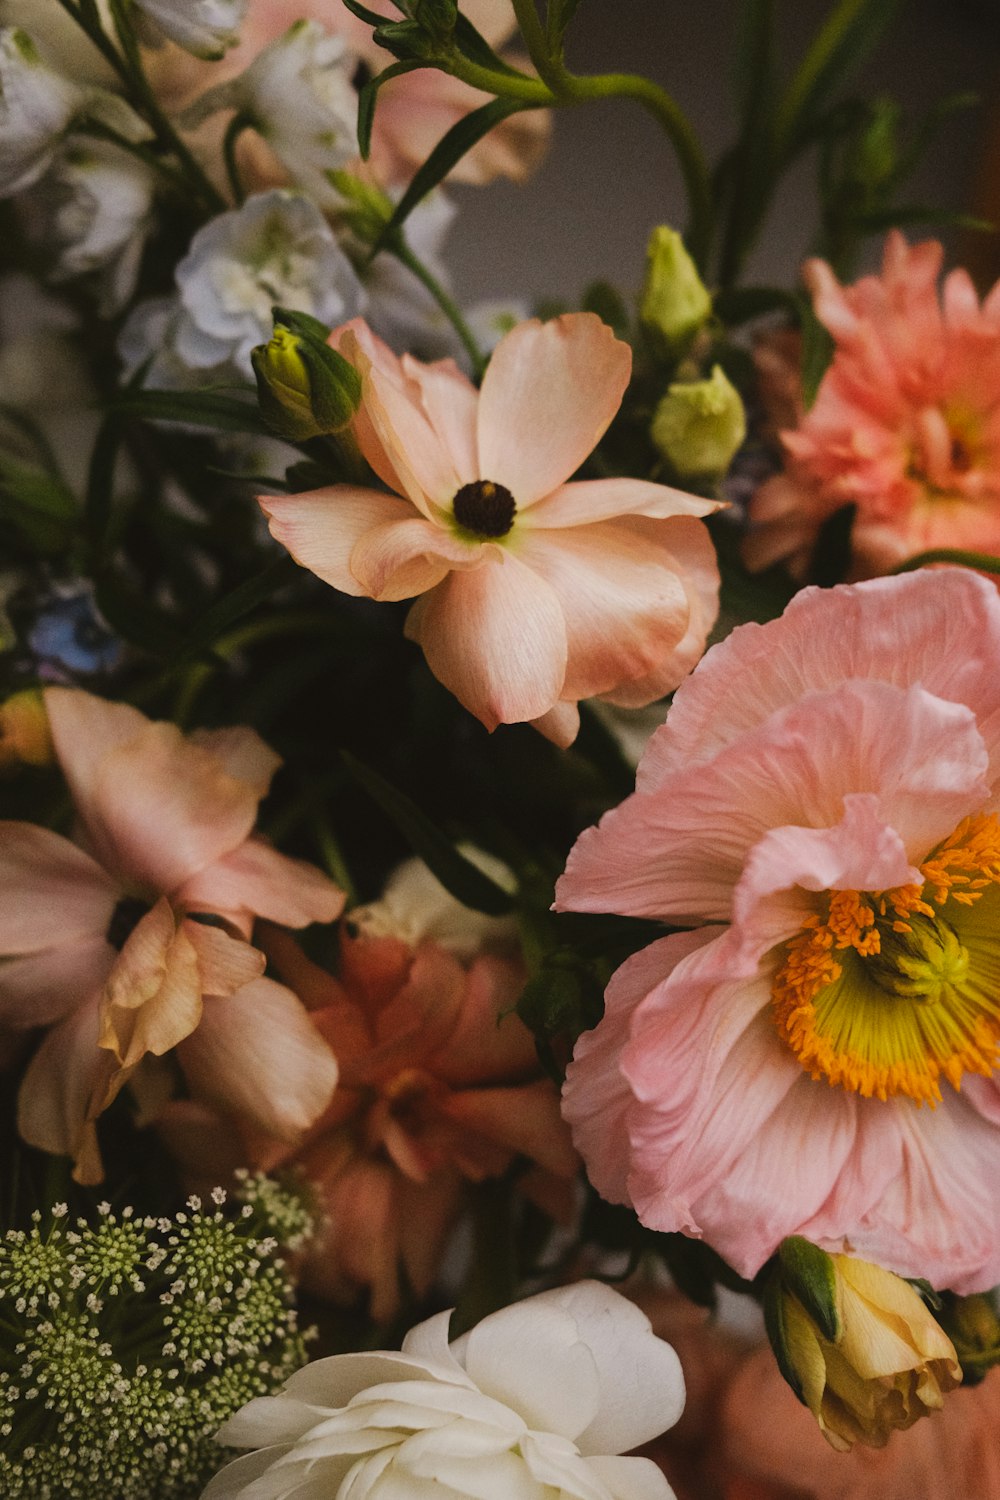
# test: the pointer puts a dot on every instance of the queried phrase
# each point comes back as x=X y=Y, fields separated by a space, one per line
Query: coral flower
x=115 y=939
x=534 y=592
x=439 y=1086
x=905 y=426
x=819 y=1056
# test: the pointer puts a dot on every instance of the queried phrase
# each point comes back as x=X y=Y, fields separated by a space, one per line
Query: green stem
x=548 y=67
x=234 y=129
x=398 y=247
x=197 y=676
x=102 y=132
x=333 y=859
x=983 y=562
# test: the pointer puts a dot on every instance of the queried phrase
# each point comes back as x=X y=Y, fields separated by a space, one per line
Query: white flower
x=208 y=28
x=37 y=105
x=537 y=1402
x=91 y=214
x=299 y=97
x=62 y=42
x=275 y=250
x=415 y=907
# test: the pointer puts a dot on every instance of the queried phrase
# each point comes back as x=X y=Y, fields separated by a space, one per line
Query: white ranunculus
x=208 y=28
x=277 y=250
x=298 y=94
x=537 y=1402
x=90 y=216
x=37 y=105
x=415 y=907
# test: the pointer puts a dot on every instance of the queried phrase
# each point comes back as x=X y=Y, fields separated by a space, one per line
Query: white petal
x=631 y=1478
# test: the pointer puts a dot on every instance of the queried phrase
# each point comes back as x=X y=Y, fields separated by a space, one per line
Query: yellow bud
x=891 y=1364
x=305 y=388
x=675 y=301
x=699 y=425
x=24 y=731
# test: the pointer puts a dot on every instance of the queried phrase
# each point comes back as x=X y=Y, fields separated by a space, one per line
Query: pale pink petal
x=624 y=605
x=54 y=1099
x=321 y=528
x=418 y=453
x=399 y=559
x=42 y=987
x=257 y=881
x=451 y=402
x=590 y=500
x=50 y=891
x=362 y=348
x=561 y=724
x=496 y=638
x=257 y=1054
x=547 y=399
x=826 y=635
x=225 y=963
x=243 y=754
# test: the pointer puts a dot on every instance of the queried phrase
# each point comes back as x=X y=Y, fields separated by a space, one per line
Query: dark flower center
x=125 y=919
x=485 y=508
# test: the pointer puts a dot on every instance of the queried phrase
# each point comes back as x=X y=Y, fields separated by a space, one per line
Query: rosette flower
x=533 y=592
x=538 y=1401
x=132 y=938
x=818 y=1055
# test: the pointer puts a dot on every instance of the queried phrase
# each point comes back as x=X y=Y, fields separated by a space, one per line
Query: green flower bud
x=974 y=1327
x=699 y=425
x=675 y=301
x=305 y=388
x=366 y=210
x=406 y=40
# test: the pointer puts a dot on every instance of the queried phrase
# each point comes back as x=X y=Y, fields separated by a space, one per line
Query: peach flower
x=436 y=1091
x=534 y=592
x=818 y=1055
x=115 y=939
x=906 y=424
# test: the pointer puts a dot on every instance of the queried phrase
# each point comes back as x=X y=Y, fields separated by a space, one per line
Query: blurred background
x=610 y=175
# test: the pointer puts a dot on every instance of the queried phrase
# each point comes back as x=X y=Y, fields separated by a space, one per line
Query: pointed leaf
x=244 y=598
x=368 y=97
x=197 y=408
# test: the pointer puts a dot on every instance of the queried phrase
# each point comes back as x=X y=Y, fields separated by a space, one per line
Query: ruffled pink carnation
x=818 y=1055
x=531 y=592
x=132 y=937
x=905 y=426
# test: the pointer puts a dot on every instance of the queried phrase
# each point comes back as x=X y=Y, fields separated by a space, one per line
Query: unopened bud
x=699 y=425
x=305 y=388
x=974 y=1327
x=25 y=738
x=675 y=301
x=366 y=210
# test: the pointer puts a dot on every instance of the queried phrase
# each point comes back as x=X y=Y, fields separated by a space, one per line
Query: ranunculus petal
x=321 y=528
x=547 y=398
x=496 y=638
x=450 y=401
x=258 y=1054
x=416 y=450
x=587 y=501
x=50 y=891
x=256 y=880
x=400 y=559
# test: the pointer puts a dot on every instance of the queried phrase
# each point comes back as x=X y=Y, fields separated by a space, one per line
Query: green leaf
x=134 y=619
x=775 y=1321
x=606 y=301
x=810 y=1275
x=457 y=874
x=368 y=98
x=198 y=408
x=243 y=599
x=817 y=351
x=38 y=503
x=477 y=49
x=850 y=33
x=370 y=17
x=557 y=20
x=446 y=154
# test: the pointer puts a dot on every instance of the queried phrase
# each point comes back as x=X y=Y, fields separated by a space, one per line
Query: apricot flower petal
x=256 y=880
x=399 y=559
x=588 y=500
x=321 y=528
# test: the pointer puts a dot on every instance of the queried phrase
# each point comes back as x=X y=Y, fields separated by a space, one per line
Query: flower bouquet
x=500 y=804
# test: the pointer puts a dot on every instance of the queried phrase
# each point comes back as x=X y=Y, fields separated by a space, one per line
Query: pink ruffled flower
x=818 y=1055
x=906 y=424
x=533 y=592
x=435 y=1092
x=116 y=939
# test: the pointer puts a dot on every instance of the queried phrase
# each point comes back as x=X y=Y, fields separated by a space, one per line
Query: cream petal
x=631 y=1478
x=153 y=995
x=50 y=891
x=547 y=399
x=336 y=1380
x=321 y=528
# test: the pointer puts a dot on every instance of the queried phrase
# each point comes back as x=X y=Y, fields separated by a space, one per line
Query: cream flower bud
x=37 y=105
x=208 y=28
x=416 y=908
x=857 y=1345
x=675 y=301
x=539 y=1399
x=699 y=425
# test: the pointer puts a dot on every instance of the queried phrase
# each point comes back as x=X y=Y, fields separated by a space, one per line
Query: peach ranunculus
x=818 y=1055
x=905 y=426
x=116 y=938
x=439 y=1087
x=534 y=592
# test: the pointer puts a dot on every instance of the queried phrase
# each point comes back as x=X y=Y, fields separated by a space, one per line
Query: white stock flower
x=537 y=1402
x=277 y=249
x=208 y=28
x=415 y=907
x=90 y=216
x=37 y=105
x=299 y=97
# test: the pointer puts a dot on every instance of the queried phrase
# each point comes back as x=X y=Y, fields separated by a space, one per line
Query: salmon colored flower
x=905 y=426
x=115 y=938
x=533 y=592
x=818 y=1056
x=439 y=1087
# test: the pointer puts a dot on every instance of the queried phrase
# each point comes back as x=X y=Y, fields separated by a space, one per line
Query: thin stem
x=548 y=68
x=234 y=129
x=398 y=247
x=102 y=132
x=333 y=858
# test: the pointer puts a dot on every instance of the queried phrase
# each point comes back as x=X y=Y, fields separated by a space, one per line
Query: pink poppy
x=905 y=426
x=436 y=1091
x=115 y=939
x=533 y=592
x=817 y=1056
